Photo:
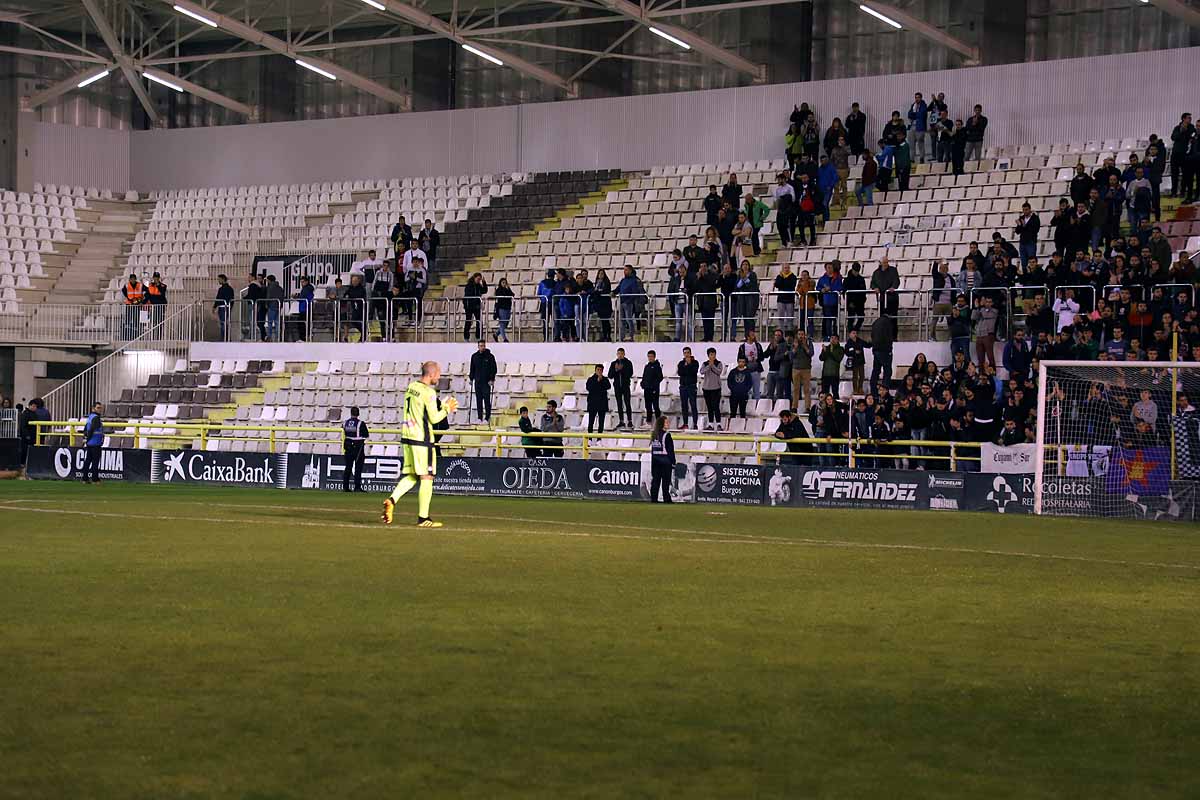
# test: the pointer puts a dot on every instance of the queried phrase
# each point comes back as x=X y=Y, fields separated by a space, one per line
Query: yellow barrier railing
x=590 y=444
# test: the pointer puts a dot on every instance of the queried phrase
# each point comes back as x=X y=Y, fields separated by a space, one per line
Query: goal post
x=1116 y=438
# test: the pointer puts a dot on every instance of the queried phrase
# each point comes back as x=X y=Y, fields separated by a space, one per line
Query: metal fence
x=761 y=449
x=156 y=350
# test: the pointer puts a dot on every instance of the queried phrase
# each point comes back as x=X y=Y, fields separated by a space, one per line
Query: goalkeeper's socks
x=424 y=496
x=402 y=488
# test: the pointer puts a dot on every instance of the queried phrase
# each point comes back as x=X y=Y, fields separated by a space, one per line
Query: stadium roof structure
x=141 y=39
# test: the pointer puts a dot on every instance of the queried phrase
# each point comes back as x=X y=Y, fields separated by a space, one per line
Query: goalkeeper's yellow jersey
x=420 y=413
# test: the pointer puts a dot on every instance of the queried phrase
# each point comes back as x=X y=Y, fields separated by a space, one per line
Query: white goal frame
x=1039 y=456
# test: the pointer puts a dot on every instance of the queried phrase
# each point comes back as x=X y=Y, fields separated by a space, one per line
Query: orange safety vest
x=153 y=289
x=134 y=293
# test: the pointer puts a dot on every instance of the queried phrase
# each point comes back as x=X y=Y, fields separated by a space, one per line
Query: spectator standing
x=633 y=299
x=746 y=297
x=903 y=159
x=710 y=383
x=257 y=310
x=354 y=445
x=26 y=430
x=703 y=292
x=738 y=381
x=986 y=317
x=93 y=442
x=401 y=235
x=1027 y=228
x=662 y=461
x=866 y=185
x=831 y=365
x=976 y=127
x=134 y=292
x=756 y=214
x=502 y=309
x=156 y=298
x=883 y=338
x=712 y=205
x=856 y=360
x=552 y=422
x=856 y=130
x=774 y=354
x=827 y=180
x=894 y=126
x=793 y=146
x=473 y=294
x=429 y=240
x=222 y=303
x=790 y=427
x=299 y=320
x=356 y=305
x=808 y=203
x=620 y=371
x=802 y=357
x=784 y=289
x=1018 y=356
x=941 y=135
x=885 y=282
x=958 y=148
x=677 y=298
x=731 y=192
x=652 y=378
x=960 y=327
x=688 y=372
x=1181 y=136
x=833 y=135
x=830 y=287
x=597 y=399
x=918 y=123
x=601 y=304
x=854 y=286
x=751 y=350
x=839 y=156
x=274 y=300
x=483 y=376
x=530 y=443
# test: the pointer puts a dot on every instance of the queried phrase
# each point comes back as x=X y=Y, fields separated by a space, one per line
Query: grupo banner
x=1015 y=459
x=66 y=463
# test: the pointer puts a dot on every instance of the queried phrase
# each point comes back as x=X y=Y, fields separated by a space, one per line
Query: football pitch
x=184 y=642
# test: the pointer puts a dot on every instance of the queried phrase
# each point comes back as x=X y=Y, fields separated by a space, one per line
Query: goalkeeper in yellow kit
x=421 y=412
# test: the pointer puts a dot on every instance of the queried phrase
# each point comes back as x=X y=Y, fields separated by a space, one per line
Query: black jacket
x=483 y=367
x=471 y=294
x=597 y=393
x=621 y=373
x=652 y=376
x=688 y=373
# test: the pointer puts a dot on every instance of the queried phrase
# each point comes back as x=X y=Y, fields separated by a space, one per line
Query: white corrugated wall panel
x=75 y=156
x=1106 y=97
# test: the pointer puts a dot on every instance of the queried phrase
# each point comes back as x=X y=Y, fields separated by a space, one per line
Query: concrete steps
x=98 y=252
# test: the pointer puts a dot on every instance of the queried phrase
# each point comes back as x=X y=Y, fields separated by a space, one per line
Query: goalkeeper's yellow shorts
x=419 y=460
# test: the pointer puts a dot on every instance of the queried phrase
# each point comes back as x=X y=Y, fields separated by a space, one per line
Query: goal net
x=1117 y=439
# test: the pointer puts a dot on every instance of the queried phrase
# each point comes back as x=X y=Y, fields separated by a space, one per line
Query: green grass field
x=175 y=642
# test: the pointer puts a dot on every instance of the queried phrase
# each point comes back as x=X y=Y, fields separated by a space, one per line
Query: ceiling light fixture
x=162 y=82
x=672 y=39
x=317 y=70
x=195 y=16
x=93 y=79
x=374 y=4
x=881 y=17
x=483 y=55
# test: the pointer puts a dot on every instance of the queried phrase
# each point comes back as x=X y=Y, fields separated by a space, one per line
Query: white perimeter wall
x=1104 y=97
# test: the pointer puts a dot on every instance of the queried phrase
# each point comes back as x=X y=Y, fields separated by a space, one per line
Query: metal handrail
x=203 y=431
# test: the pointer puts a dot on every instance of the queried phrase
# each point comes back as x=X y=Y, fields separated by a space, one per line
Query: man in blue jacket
x=93 y=441
x=545 y=293
x=918 y=122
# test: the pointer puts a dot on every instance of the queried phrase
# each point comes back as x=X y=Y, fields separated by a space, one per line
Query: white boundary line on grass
x=686 y=535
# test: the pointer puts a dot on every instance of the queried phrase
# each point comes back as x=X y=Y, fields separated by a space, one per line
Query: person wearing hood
x=545 y=294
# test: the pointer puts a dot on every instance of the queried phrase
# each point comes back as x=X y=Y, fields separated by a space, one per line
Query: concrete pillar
x=1002 y=40
x=435 y=72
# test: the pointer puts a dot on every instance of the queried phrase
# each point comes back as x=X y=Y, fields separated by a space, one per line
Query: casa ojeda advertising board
x=599 y=479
